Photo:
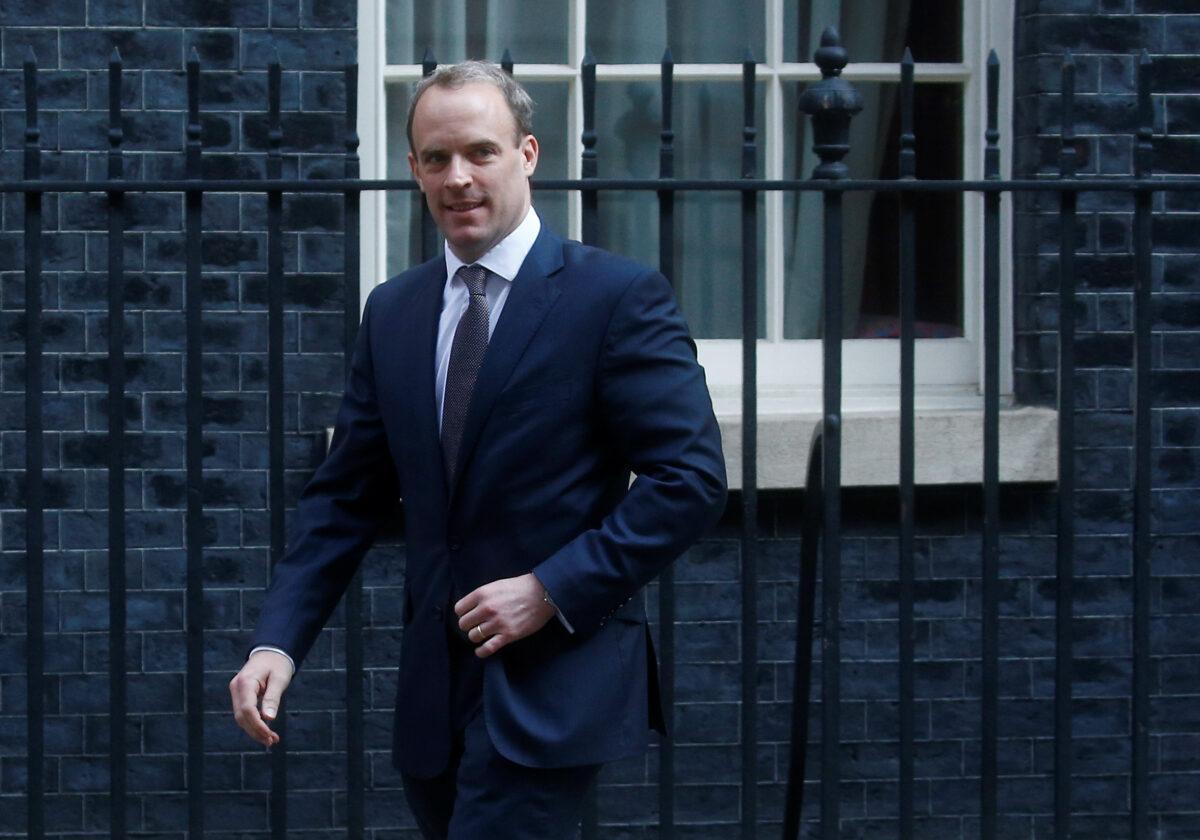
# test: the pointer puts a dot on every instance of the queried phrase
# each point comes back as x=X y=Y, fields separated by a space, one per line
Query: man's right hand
x=265 y=675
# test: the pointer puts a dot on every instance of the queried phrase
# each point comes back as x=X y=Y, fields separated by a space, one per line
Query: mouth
x=463 y=206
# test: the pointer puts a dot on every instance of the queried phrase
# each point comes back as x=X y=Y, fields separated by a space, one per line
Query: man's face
x=470 y=164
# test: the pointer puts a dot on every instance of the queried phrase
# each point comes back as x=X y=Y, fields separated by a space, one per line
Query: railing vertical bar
x=194 y=383
x=591 y=810
x=429 y=240
x=1142 y=535
x=117 y=754
x=907 y=574
x=831 y=554
x=666 y=581
x=589 y=201
x=832 y=102
x=990 y=704
x=805 y=621
x=279 y=755
x=35 y=587
x=506 y=62
x=749 y=460
x=1065 y=563
x=355 y=717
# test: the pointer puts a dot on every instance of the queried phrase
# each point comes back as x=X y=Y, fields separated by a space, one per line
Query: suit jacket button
x=438 y=613
x=454 y=545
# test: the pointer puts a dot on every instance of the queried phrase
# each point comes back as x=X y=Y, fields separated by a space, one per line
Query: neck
x=475 y=254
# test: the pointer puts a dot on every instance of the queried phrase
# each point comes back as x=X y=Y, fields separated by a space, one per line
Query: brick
x=1179 y=351
x=285 y=13
x=326 y=13
x=139 y=48
x=150 y=211
x=303 y=132
x=156 y=131
x=43 y=13
x=116 y=13
x=216 y=48
x=1095 y=33
x=198 y=13
x=323 y=92
x=96 y=326
x=44 y=43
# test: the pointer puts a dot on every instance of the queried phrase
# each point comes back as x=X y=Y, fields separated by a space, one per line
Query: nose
x=458 y=173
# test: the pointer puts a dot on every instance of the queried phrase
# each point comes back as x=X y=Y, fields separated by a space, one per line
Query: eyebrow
x=477 y=144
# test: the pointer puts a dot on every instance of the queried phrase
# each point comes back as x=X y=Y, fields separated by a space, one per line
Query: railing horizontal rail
x=648 y=184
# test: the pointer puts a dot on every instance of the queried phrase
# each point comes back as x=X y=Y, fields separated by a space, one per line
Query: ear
x=529 y=154
x=412 y=165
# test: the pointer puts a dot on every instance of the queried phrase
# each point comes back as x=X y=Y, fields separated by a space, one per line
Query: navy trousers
x=482 y=794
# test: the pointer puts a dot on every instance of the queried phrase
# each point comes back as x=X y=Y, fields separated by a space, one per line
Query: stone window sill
x=949 y=445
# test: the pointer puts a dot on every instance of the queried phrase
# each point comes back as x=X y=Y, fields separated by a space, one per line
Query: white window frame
x=949 y=371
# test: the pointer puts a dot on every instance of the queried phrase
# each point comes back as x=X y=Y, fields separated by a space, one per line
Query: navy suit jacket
x=590 y=375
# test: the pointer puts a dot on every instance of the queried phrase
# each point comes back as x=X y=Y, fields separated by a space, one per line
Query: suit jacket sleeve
x=337 y=517
x=657 y=414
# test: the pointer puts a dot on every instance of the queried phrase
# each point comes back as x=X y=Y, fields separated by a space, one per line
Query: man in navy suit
x=505 y=390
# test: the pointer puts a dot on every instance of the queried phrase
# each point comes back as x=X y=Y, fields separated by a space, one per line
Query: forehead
x=469 y=113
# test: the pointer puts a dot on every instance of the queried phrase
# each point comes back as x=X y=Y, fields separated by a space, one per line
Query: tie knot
x=475 y=277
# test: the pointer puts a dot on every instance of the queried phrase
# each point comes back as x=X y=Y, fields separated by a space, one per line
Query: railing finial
x=831 y=103
x=831 y=56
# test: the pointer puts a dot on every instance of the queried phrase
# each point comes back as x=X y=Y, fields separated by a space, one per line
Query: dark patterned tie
x=466 y=355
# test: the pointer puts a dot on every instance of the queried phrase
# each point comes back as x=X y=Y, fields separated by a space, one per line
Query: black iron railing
x=831 y=104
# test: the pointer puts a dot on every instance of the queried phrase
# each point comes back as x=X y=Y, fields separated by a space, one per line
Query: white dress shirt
x=503 y=262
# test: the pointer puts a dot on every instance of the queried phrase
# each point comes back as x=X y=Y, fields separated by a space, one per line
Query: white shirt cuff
x=277 y=650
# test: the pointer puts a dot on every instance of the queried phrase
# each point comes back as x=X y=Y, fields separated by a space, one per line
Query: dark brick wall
x=73 y=39
x=1106 y=37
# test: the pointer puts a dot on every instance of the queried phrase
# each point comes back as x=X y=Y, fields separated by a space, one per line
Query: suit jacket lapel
x=533 y=293
x=417 y=333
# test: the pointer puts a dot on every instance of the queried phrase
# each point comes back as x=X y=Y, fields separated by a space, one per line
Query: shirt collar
x=506 y=256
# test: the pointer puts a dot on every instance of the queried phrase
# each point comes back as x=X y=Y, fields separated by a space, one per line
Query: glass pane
x=535 y=31
x=708 y=144
x=404 y=208
x=697 y=31
x=875 y=30
x=550 y=110
x=870 y=220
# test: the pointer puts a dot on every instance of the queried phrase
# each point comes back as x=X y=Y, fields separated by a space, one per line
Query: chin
x=474 y=246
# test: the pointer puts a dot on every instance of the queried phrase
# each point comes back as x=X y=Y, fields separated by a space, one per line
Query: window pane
x=535 y=31
x=870 y=224
x=708 y=144
x=404 y=208
x=875 y=30
x=550 y=106
x=697 y=31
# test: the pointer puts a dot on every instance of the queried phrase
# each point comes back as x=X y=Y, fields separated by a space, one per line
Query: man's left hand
x=500 y=612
